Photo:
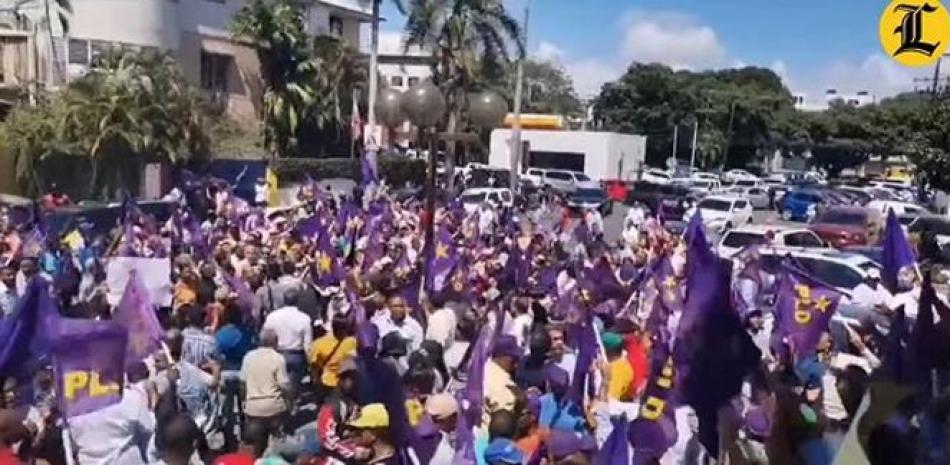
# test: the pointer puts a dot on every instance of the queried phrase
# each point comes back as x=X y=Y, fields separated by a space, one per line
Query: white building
x=599 y=155
x=194 y=31
x=857 y=99
x=401 y=69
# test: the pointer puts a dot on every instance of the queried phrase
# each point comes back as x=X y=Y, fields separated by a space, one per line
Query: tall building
x=195 y=32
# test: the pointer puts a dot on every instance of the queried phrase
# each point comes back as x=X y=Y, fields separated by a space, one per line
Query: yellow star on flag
x=441 y=251
x=822 y=304
x=324 y=263
x=669 y=282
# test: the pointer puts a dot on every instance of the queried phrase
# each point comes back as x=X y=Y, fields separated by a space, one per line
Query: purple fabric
x=713 y=353
x=803 y=309
x=136 y=314
x=897 y=252
x=23 y=334
x=654 y=430
x=89 y=360
x=924 y=339
x=442 y=260
x=327 y=270
x=606 y=285
x=616 y=450
x=245 y=297
x=587 y=351
x=369 y=174
x=471 y=399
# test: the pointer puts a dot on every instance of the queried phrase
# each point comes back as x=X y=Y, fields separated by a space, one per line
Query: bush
x=396 y=170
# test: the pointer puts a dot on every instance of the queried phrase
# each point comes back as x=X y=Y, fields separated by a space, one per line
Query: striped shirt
x=198 y=347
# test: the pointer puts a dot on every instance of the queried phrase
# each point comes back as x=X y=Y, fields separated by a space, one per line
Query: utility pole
x=692 y=155
x=368 y=135
x=676 y=134
x=516 y=125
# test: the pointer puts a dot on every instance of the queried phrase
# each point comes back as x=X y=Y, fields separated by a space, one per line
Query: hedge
x=396 y=170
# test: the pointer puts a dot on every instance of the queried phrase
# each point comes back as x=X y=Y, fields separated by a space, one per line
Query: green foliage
x=547 y=88
x=93 y=137
x=736 y=109
x=395 y=170
x=305 y=79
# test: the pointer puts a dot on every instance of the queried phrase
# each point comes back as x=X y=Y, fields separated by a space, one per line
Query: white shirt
x=867 y=296
x=294 y=328
x=444 y=452
x=519 y=328
x=486 y=219
x=260 y=193
x=442 y=326
x=409 y=329
x=115 y=435
x=909 y=299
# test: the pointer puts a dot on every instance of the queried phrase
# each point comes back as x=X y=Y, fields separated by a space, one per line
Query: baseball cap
x=611 y=340
x=442 y=405
x=507 y=345
x=371 y=416
x=564 y=443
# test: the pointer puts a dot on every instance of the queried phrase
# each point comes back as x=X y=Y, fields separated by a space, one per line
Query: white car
x=757 y=196
x=722 y=212
x=769 y=235
x=843 y=270
x=900 y=208
x=472 y=199
x=656 y=176
x=560 y=180
x=705 y=176
x=736 y=175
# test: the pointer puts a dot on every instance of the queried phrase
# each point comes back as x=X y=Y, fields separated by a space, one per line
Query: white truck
x=599 y=155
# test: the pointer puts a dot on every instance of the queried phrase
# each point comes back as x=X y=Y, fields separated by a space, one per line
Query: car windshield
x=742 y=239
x=745 y=183
x=842 y=217
x=589 y=193
x=715 y=204
x=581 y=177
x=473 y=198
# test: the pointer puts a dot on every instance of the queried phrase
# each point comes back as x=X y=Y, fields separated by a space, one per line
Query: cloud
x=548 y=51
x=676 y=39
x=875 y=73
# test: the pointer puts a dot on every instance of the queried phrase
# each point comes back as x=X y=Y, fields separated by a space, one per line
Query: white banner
x=155 y=272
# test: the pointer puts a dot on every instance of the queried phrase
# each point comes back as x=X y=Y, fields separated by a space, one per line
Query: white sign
x=155 y=272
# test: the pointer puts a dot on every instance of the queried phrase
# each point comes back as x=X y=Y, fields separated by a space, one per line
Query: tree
x=471 y=41
x=95 y=135
x=547 y=89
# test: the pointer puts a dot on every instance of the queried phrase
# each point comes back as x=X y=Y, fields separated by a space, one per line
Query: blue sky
x=812 y=44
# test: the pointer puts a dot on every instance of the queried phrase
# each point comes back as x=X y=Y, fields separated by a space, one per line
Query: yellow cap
x=371 y=416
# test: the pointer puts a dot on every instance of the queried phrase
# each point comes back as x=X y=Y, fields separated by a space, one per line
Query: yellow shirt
x=499 y=390
x=621 y=379
x=414 y=410
x=320 y=352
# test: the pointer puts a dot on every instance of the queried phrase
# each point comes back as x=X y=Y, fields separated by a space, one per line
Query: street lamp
x=424 y=105
x=487 y=109
x=389 y=110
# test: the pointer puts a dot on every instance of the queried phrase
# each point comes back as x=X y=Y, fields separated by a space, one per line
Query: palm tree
x=469 y=39
x=288 y=67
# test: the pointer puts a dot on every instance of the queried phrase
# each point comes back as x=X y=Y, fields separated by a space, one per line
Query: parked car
x=560 y=180
x=656 y=176
x=801 y=205
x=732 y=176
x=843 y=270
x=844 y=226
x=705 y=176
x=674 y=199
x=587 y=197
x=900 y=208
x=472 y=199
x=741 y=237
x=704 y=187
x=757 y=196
x=722 y=212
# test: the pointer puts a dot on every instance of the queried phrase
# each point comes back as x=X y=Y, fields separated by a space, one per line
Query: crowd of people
x=355 y=329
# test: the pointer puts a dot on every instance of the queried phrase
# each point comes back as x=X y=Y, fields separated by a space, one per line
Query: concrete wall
x=153 y=23
x=603 y=151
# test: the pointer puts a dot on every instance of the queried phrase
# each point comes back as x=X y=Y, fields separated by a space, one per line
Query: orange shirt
x=530 y=443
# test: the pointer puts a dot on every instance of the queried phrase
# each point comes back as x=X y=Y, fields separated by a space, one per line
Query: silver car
x=757 y=196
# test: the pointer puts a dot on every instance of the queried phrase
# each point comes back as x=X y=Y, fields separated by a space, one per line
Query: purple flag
x=606 y=285
x=89 y=359
x=713 y=352
x=925 y=341
x=327 y=270
x=616 y=450
x=245 y=297
x=369 y=174
x=442 y=261
x=587 y=351
x=894 y=366
x=803 y=309
x=470 y=398
x=654 y=430
x=23 y=335
x=897 y=252
x=136 y=314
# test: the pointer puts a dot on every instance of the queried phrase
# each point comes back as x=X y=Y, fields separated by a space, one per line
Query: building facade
x=196 y=32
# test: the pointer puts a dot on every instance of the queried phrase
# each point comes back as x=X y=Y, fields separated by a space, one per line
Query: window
x=413 y=81
x=214 y=72
x=98 y=48
x=559 y=176
x=473 y=198
x=742 y=239
x=803 y=239
x=336 y=26
x=395 y=81
x=78 y=52
x=741 y=205
x=836 y=274
x=714 y=204
x=842 y=217
x=581 y=177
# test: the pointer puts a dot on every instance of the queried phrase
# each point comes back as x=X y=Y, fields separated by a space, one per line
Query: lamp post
x=424 y=106
x=389 y=110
